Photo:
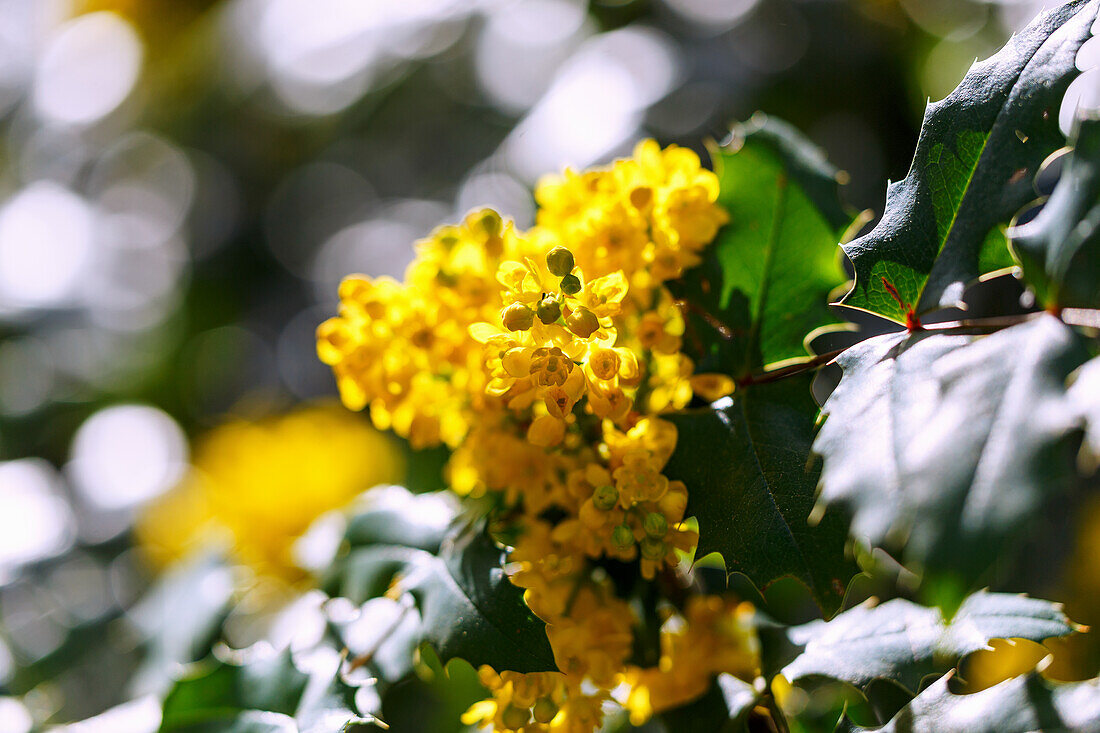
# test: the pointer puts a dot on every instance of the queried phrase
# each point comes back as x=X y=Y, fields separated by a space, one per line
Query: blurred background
x=183 y=183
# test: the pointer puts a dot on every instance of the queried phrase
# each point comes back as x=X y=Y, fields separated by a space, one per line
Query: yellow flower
x=258 y=485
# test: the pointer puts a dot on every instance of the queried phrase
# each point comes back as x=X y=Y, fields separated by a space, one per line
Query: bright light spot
x=137 y=716
x=316 y=549
x=123 y=456
x=716 y=14
x=1082 y=97
x=322 y=55
x=46 y=239
x=498 y=191
x=595 y=104
x=87 y=69
x=36 y=522
x=14 y=717
x=523 y=45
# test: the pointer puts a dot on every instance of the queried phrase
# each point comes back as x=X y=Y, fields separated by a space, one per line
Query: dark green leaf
x=946 y=446
x=975 y=159
x=764 y=282
x=724 y=707
x=471 y=610
x=1059 y=250
x=466 y=605
x=1019 y=705
x=745 y=463
x=903 y=642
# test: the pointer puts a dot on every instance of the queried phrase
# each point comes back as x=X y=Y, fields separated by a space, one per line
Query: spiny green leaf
x=976 y=156
x=764 y=282
x=465 y=604
x=1059 y=250
x=745 y=463
x=946 y=446
x=903 y=642
x=724 y=707
x=1019 y=705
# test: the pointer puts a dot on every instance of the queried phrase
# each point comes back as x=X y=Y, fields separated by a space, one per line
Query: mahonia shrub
x=624 y=395
x=544 y=359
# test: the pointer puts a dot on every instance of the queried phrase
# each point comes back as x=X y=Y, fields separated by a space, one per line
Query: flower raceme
x=543 y=359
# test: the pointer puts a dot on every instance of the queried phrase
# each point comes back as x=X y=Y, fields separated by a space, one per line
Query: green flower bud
x=518 y=317
x=549 y=310
x=489 y=222
x=545 y=710
x=560 y=261
x=622 y=536
x=605 y=498
x=515 y=717
x=570 y=284
x=654 y=549
x=583 y=322
x=655 y=525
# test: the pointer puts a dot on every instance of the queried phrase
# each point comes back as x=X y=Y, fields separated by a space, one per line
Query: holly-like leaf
x=764 y=282
x=1059 y=250
x=1019 y=705
x=266 y=693
x=745 y=463
x=903 y=642
x=471 y=610
x=465 y=603
x=724 y=707
x=946 y=447
x=976 y=156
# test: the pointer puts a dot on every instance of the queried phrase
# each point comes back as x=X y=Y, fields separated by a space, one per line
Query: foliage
x=622 y=390
x=978 y=151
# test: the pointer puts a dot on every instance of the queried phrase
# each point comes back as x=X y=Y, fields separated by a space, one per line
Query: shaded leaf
x=471 y=610
x=764 y=282
x=745 y=463
x=466 y=605
x=1059 y=250
x=724 y=707
x=903 y=642
x=1020 y=705
x=946 y=446
x=976 y=156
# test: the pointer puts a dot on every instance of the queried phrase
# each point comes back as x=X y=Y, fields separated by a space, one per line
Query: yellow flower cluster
x=256 y=486
x=544 y=359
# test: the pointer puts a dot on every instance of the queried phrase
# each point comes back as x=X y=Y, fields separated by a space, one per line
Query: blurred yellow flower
x=256 y=486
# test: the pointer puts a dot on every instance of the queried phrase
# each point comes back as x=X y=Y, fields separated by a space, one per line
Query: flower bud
x=518 y=317
x=622 y=537
x=549 y=310
x=560 y=261
x=515 y=717
x=570 y=284
x=545 y=710
x=583 y=322
x=654 y=549
x=655 y=525
x=605 y=498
